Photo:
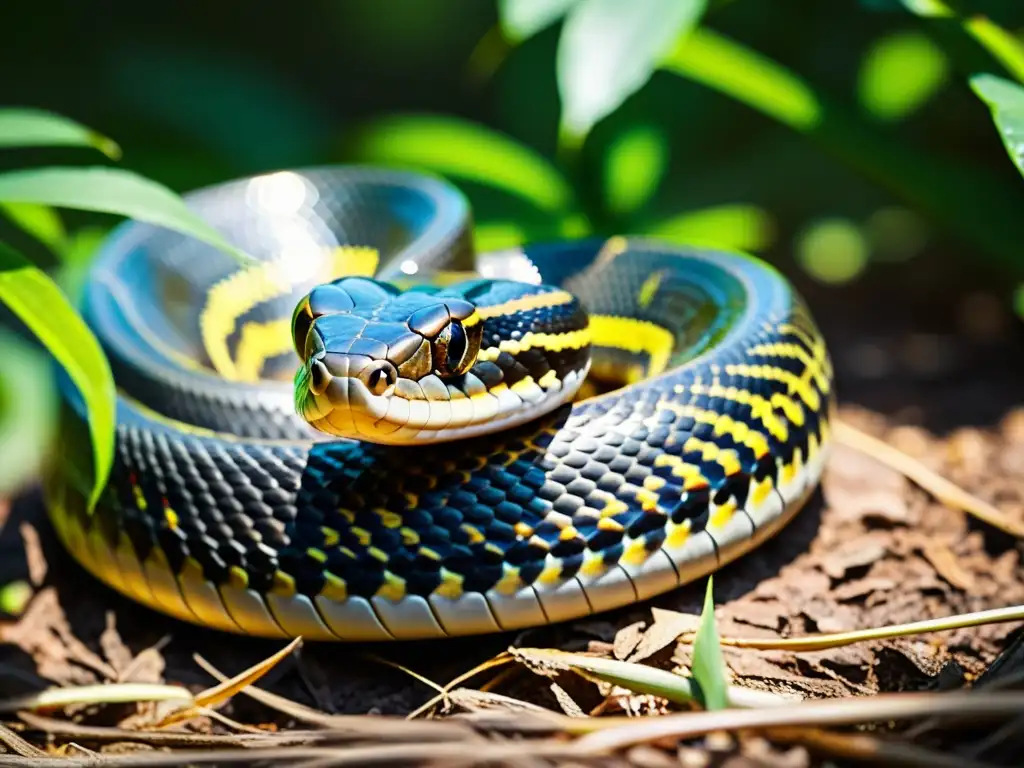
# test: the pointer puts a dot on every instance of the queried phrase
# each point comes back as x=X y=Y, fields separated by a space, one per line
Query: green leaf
x=1006 y=101
x=1006 y=48
x=735 y=227
x=40 y=221
x=111 y=190
x=522 y=19
x=969 y=201
x=26 y=412
x=38 y=128
x=37 y=301
x=465 y=150
x=609 y=49
x=634 y=166
x=708 y=664
x=928 y=8
x=638 y=677
x=900 y=73
x=747 y=76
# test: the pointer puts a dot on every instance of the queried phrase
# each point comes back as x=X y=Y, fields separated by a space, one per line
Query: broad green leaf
x=746 y=76
x=708 y=665
x=732 y=227
x=633 y=168
x=26 y=412
x=1006 y=48
x=609 y=49
x=111 y=190
x=40 y=221
x=38 y=128
x=522 y=19
x=900 y=73
x=465 y=150
x=1006 y=100
x=37 y=301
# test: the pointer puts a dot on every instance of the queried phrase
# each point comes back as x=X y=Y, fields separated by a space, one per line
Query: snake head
x=392 y=367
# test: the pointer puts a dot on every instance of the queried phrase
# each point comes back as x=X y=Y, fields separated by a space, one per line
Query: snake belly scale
x=441 y=463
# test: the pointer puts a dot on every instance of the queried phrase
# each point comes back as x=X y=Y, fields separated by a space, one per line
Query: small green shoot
x=709 y=673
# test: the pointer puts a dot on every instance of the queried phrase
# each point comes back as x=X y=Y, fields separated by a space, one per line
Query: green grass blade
x=978 y=207
x=638 y=677
x=463 y=150
x=1006 y=100
x=37 y=301
x=608 y=50
x=729 y=67
x=38 y=128
x=708 y=664
x=40 y=221
x=111 y=190
x=26 y=412
x=1004 y=47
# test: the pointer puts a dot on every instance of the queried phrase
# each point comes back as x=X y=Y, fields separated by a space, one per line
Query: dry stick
x=385 y=754
x=225 y=689
x=15 y=742
x=391 y=728
x=861 y=747
x=967 y=705
x=840 y=639
x=104 y=733
x=938 y=486
x=500 y=660
x=414 y=675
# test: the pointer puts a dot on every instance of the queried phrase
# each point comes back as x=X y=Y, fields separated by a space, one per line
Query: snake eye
x=302 y=321
x=379 y=377
x=456 y=348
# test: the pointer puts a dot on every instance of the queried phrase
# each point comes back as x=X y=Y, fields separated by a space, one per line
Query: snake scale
x=573 y=427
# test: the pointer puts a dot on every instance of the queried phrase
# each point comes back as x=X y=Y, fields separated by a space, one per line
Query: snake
x=373 y=430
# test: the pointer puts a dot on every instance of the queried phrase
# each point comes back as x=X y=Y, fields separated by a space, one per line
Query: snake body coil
x=497 y=503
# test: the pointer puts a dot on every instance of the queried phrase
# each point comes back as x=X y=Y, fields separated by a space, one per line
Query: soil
x=930 y=364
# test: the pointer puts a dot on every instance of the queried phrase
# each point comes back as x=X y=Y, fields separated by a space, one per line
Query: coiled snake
x=443 y=463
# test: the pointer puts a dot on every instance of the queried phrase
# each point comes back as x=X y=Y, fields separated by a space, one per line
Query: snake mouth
x=346 y=394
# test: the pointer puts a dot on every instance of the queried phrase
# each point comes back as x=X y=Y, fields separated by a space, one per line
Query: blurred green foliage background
x=835 y=139
x=198 y=92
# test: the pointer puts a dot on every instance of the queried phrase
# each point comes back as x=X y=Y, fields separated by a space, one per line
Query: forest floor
x=938 y=374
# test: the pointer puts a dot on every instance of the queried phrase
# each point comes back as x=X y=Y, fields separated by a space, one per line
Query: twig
x=104 y=733
x=16 y=743
x=942 y=489
x=861 y=747
x=840 y=639
x=225 y=689
x=849 y=711
x=395 y=729
x=384 y=754
x=497 y=661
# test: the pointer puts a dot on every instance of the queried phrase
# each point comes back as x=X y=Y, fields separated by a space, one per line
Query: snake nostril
x=319 y=377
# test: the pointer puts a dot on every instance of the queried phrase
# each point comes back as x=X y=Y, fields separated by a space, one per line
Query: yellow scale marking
x=244 y=289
